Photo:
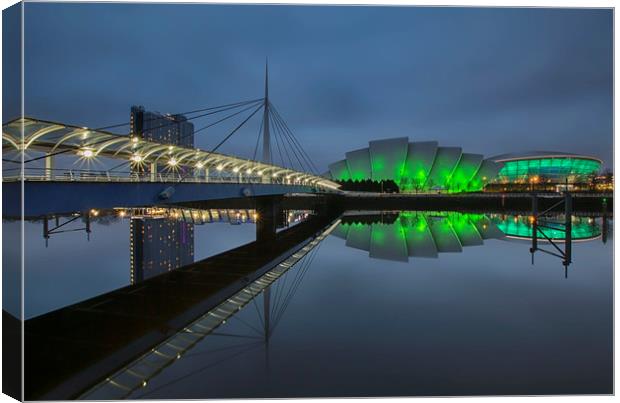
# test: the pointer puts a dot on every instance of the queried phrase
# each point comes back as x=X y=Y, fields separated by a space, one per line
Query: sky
x=490 y=80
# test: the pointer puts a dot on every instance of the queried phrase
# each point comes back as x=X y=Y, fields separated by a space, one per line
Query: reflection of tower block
x=158 y=246
x=282 y=219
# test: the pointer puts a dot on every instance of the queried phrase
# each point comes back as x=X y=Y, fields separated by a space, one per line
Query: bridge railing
x=83 y=175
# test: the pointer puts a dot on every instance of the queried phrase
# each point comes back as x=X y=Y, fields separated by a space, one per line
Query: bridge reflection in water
x=136 y=375
x=71 y=349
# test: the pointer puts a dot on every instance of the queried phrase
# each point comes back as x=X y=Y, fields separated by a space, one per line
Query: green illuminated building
x=546 y=167
x=416 y=166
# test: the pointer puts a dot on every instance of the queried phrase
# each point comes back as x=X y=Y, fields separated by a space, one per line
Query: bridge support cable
x=234 y=131
x=292 y=146
x=202 y=128
x=212 y=112
x=284 y=295
x=226 y=118
x=293 y=138
x=277 y=140
x=301 y=274
x=260 y=132
x=233 y=105
x=285 y=143
x=248 y=347
x=299 y=147
x=166 y=193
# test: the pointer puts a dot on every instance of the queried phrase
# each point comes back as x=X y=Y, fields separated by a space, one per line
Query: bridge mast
x=266 y=134
x=266 y=160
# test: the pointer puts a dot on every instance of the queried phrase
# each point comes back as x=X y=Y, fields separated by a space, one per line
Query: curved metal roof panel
x=539 y=154
x=50 y=137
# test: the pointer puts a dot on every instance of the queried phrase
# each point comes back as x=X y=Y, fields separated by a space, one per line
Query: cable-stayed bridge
x=138 y=170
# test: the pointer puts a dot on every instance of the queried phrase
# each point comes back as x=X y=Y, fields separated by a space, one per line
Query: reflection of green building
x=416 y=166
x=398 y=236
x=417 y=234
x=521 y=227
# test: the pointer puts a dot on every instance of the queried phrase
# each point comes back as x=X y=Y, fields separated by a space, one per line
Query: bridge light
x=274 y=175
x=199 y=165
x=172 y=162
x=136 y=158
x=235 y=169
x=86 y=153
x=134 y=140
x=248 y=171
x=94 y=212
x=219 y=167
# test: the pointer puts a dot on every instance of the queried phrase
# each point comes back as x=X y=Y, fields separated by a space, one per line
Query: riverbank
x=594 y=203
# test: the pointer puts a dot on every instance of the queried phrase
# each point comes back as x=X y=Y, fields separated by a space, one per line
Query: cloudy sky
x=489 y=80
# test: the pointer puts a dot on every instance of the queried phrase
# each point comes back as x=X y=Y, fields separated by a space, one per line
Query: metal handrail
x=82 y=175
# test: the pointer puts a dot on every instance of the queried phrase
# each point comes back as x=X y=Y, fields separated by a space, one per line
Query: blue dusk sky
x=489 y=80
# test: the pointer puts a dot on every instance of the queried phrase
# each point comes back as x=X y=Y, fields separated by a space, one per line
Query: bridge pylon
x=266 y=134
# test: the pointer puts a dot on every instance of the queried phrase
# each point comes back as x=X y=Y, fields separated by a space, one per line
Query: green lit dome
x=416 y=166
x=544 y=166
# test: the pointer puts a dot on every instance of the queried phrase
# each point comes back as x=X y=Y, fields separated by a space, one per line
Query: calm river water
x=390 y=304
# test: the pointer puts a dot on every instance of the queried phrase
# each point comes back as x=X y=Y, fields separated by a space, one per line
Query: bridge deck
x=48 y=197
x=69 y=349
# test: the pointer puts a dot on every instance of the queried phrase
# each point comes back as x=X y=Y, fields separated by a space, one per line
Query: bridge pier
x=49 y=166
x=568 y=227
x=534 y=225
x=153 y=171
x=268 y=210
x=605 y=222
